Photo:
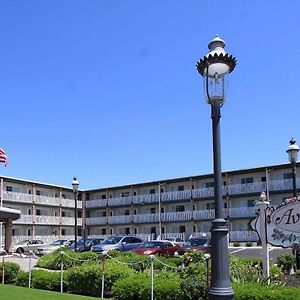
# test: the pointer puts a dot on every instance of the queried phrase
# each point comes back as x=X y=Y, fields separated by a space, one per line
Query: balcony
x=17 y=197
x=47 y=200
x=96 y=221
x=47 y=220
x=119 y=219
x=207 y=214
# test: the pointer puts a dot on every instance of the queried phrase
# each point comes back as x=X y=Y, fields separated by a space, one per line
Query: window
x=134 y=193
x=127 y=212
x=288 y=176
x=182 y=229
x=29 y=211
x=152 y=210
x=63 y=232
x=161 y=190
x=210 y=206
x=225 y=205
x=28 y=232
x=152 y=191
x=38 y=212
x=193 y=186
x=134 y=212
x=263 y=179
x=127 y=230
x=181 y=188
x=224 y=183
x=246 y=180
x=37 y=192
x=153 y=230
x=125 y=194
x=135 y=231
x=63 y=214
x=209 y=184
x=162 y=210
x=104 y=214
x=179 y=208
x=250 y=203
x=9 y=189
x=29 y=192
x=103 y=197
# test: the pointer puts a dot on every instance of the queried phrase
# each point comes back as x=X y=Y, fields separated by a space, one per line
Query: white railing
x=96 y=203
x=119 y=201
x=204 y=214
x=47 y=200
x=145 y=218
x=49 y=220
x=119 y=219
x=147 y=198
x=243 y=236
x=176 y=216
x=18 y=197
x=95 y=221
x=70 y=221
x=240 y=212
x=24 y=219
x=177 y=195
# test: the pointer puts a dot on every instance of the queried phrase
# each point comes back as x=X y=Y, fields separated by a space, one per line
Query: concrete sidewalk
x=22 y=261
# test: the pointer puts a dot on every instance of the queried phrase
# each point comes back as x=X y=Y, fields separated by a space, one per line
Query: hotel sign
x=282 y=224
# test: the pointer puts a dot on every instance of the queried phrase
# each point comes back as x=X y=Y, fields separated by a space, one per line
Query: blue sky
x=107 y=90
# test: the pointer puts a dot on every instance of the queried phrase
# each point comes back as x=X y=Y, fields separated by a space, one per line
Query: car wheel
x=20 y=250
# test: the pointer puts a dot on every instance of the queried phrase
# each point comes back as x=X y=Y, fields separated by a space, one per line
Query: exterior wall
x=187 y=205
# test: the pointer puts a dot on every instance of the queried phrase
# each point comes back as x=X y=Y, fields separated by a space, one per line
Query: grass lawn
x=10 y=292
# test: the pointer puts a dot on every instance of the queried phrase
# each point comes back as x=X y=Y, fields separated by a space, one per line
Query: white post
x=103 y=278
x=152 y=277
x=62 y=272
x=262 y=205
x=159 y=212
x=29 y=278
x=3 y=268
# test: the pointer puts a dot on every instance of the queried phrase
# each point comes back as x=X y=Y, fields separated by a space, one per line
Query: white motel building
x=173 y=207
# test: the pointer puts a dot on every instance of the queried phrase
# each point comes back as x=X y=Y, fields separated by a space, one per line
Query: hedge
x=11 y=270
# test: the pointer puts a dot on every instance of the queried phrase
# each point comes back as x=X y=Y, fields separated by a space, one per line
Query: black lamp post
x=214 y=68
x=75 y=184
x=292 y=152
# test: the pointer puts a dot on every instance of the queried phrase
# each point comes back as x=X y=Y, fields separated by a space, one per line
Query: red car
x=163 y=248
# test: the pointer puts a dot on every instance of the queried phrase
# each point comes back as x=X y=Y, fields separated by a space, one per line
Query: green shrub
x=40 y=279
x=22 y=279
x=138 y=287
x=236 y=244
x=193 y=282
x=11 y=270
x=249 y=244
x=70 y=259
x=87 y=279
x=256 y=291
x=286 y=262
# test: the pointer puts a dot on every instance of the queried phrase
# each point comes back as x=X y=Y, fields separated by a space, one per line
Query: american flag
x=3 y=157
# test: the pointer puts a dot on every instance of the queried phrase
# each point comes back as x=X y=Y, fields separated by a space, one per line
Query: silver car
x=26 y=245
x=47 y=249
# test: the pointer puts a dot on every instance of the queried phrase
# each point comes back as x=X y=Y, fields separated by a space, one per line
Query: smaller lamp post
x=292 y=152
x=75 y=184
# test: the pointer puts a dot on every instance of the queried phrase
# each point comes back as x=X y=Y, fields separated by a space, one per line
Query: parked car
x=175 y=240
x=117 y=242
x=195 y=244
x=54 y=246
x=89 y=243
x=163 y=248
x=26 y=245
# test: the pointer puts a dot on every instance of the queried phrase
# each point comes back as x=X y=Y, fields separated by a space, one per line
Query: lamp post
x=75 y=184
x=292 y=152
x=215 y=67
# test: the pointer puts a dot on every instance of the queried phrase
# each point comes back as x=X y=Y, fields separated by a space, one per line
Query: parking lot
x=245 y=252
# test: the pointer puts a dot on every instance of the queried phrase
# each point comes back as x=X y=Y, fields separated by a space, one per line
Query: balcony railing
x=96 y=221
x=18 y=197
x=47 y=220
x=119 y=219
x=96 y=203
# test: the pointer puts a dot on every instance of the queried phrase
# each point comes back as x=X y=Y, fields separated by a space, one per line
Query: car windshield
x=152 y=245
x=112 y=240
x=196 y=242
x=58 y=243
x=23 y=242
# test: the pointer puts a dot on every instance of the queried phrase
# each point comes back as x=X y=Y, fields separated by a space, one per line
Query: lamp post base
x=220 y=273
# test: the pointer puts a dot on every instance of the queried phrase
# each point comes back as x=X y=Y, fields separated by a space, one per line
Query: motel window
x=103 y=196
x=182 y=229
x=263 y=179
x=246 y=180
x=209 y=184
x=127 y=230
x=152 y=210
x=38 y=192
x=250 y=203
x=104 y=214
x=179 y=208
x=9 y=189
x=162 y=210
x=127 y=212
x=38 y=212
x=181 y=188
x=134 y=193
x=152 y=191
x=125 y=194
x=103 y=231
x=288 y=176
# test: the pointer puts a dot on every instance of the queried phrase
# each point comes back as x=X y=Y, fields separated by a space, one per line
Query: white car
x=47 y=249
x=175 y=240
x=26 y=245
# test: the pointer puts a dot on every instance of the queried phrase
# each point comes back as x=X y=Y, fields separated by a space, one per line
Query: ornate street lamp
x=215 y=67
x=75 y=184
x=292 y=152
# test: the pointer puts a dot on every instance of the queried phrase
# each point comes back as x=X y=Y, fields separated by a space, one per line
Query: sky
x=107 y=90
